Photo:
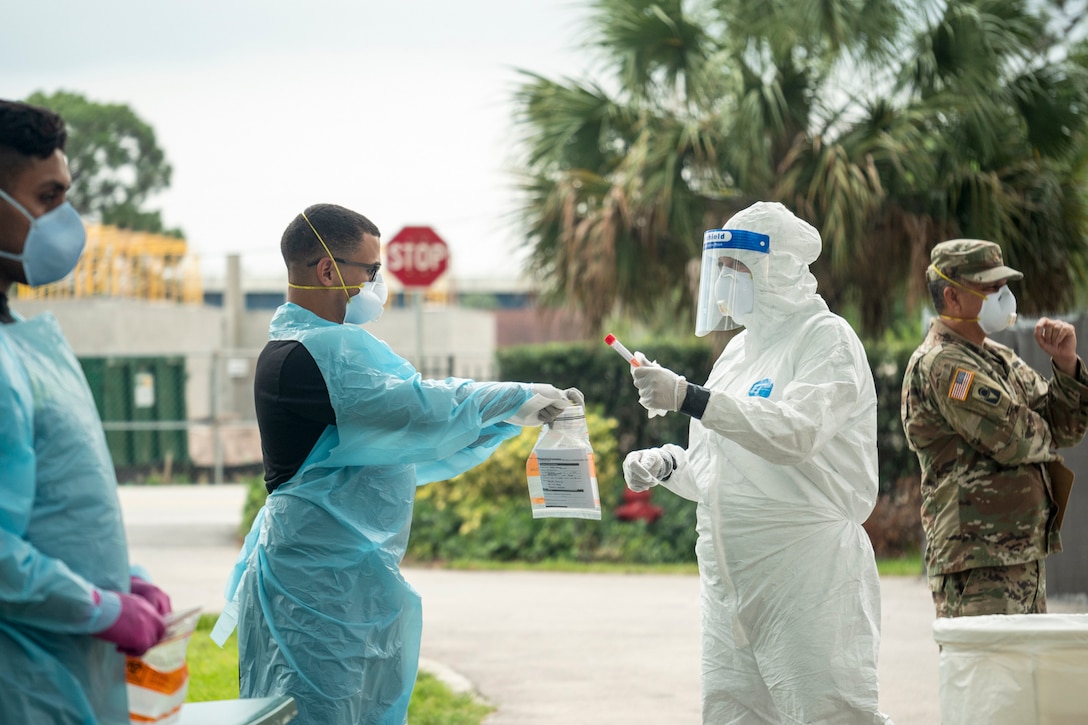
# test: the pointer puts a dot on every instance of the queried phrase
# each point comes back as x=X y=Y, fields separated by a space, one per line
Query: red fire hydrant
x=636 y=506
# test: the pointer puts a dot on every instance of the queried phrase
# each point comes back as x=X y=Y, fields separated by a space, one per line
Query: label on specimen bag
x=158 y=682
x=566 y=478
x=561 y=472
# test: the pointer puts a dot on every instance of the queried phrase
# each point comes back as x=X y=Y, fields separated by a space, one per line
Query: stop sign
x=416 y=256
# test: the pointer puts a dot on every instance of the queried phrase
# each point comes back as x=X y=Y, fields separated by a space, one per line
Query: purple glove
x=155 y=596
x=137 y=629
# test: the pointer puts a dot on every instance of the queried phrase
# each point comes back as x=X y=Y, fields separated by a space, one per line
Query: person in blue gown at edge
x=348 y=430
x=70 y=608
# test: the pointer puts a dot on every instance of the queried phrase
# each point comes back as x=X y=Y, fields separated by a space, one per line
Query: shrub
x=256 y=493
x=895 y=526
x=605 y=379
x=896 y=460
x=485 y=514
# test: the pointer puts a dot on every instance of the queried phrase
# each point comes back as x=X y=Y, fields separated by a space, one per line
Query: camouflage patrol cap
x=973 y=260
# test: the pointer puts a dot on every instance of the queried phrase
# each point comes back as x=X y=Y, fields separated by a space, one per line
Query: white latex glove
x=659 y=389
x=546 y=404
x=646 y=468
x=573 y=396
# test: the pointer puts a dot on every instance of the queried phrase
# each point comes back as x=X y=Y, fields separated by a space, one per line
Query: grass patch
x=435 y=704
x=213 y=675
x=213 y=671
x=557 y=565
x=910 y=565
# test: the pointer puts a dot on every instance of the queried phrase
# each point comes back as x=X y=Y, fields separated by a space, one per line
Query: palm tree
x=889 y=124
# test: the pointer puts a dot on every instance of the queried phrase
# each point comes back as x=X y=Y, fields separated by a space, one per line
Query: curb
x=452 y=679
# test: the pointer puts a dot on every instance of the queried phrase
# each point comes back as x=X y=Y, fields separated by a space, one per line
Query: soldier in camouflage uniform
x=986 y=428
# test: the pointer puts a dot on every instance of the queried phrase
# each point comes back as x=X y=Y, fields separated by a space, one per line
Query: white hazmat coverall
x=789 y=588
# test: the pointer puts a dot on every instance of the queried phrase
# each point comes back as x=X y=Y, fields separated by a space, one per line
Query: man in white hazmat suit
x=782 y=462
x=348 y=430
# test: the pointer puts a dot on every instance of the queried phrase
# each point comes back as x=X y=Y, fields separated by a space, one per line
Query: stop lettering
x=417 y=256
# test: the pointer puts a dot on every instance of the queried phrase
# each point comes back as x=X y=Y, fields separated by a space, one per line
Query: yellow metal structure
x=122 y=263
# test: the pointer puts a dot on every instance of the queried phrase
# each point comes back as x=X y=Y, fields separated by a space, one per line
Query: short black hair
x=937 y=287
x=27 y=132
x=341 y=229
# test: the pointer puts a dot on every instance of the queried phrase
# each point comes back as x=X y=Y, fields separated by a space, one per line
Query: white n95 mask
x=735 y=295
x=369 y=304
x=998 y=311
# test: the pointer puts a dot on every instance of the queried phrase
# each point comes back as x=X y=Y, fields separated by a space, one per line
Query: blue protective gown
x=61 y=535
x=323 y=613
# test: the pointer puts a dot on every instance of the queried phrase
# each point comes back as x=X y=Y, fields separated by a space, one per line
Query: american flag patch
x=961 y=385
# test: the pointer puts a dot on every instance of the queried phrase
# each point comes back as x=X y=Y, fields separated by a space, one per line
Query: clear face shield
x=726 y=278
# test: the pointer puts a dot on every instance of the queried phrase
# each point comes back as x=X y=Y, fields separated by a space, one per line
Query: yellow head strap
x=948 y=279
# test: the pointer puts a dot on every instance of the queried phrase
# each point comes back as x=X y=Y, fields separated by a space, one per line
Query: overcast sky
x=399 y=109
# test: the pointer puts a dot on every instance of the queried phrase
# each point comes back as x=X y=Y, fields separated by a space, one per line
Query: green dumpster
x=141 y=401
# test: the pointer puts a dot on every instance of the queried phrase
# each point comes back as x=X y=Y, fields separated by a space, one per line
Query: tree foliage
x=116 y=162
x=889 y=124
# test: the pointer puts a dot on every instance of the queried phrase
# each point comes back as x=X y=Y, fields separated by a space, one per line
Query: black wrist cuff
x=672 y=466
x=695 y=401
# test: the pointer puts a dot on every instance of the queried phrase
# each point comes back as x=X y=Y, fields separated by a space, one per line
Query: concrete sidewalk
x=543 y=648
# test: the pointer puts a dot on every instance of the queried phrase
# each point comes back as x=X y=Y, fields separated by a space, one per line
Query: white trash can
x=1019 y=669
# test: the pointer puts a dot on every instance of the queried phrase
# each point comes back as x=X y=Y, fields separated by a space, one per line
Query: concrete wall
x=1067 y=572
x=132 y=327
x=210 y=340
x=220 y=346
x=117 y=327
x=469 y=336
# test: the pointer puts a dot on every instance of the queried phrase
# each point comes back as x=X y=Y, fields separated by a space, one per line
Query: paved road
x=544 y=648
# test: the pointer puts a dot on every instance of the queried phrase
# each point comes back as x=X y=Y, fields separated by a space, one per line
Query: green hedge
x=606 y=381
x=485 y=514
x=895 y=459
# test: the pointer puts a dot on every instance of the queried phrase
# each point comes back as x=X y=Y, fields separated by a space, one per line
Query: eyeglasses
x=732 y=263
x=372 y=269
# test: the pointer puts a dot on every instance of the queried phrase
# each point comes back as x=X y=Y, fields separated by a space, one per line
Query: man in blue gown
x=69 y=608
x=348 y=430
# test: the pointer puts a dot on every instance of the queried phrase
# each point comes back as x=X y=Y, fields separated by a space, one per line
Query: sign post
x=417 y=256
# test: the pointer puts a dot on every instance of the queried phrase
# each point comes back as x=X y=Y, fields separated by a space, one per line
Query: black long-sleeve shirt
x=293 y=408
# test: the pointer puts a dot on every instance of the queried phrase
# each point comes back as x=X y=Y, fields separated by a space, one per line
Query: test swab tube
x=618 y=346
